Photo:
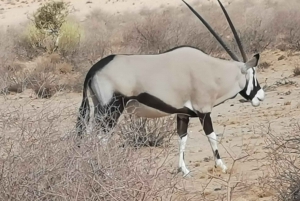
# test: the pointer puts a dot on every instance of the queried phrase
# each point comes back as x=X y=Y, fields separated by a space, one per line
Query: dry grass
x=296 y=71
x=40 y=159
x=45 y=77
x=148 y=132
x=284 y=163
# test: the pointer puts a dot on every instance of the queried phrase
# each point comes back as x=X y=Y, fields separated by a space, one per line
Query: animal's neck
x=230 y=90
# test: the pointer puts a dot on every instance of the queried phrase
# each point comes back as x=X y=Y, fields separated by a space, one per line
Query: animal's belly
x=141 y=110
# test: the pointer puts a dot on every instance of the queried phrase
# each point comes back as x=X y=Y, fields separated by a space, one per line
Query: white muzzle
x=260 y=96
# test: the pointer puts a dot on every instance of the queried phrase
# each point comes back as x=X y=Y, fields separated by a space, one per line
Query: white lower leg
x=182 y=166
x=214 y=145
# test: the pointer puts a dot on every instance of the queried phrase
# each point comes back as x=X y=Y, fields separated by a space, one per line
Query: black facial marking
x=154 y=102
x=206 y=122
x=254 y=90
x=217 y=155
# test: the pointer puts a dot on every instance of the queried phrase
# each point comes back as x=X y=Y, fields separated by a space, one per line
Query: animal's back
x=162 y=75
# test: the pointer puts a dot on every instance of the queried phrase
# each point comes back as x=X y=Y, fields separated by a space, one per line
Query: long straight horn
x=238 y=41
x=232 y=55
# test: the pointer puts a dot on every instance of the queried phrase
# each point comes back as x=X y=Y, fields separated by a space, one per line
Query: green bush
x=65 y=42
x=49 y=31
x=69 y=37
x=51 y=16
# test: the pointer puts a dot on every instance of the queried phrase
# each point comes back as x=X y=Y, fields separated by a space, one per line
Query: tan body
x=178 y=77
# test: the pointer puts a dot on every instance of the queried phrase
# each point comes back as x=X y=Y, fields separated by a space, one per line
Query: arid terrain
x=30 y=124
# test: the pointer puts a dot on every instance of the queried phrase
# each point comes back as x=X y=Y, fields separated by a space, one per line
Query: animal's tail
x=84 y=110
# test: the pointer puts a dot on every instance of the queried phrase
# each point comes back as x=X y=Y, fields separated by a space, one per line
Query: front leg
x=182 y=127
x=206 y=122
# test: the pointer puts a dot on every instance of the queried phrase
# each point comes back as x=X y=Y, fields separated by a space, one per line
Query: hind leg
x=182 y=127
x=106 y=117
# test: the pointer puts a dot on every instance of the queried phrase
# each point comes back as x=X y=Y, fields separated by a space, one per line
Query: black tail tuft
x=84 y=111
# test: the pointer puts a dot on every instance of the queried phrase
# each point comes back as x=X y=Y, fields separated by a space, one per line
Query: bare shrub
x=40 y=160
x=264 y=65
x=54 y=58
x=44 y=85
x=50 y=76
x=137 y=132
x=15 y=79
x=7 y=57
x=150 y=35
x=285 y=25
x=45 y=76
x=255 y=37
x=296 y=70
x=11 y=77
x=284 y=163
x=97 y=41
x=74 y=83
x=292 y=30
x=64 y=67
x=165 y=29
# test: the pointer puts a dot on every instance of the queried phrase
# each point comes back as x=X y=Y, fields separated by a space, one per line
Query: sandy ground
x=241 y=126
x=15 y=12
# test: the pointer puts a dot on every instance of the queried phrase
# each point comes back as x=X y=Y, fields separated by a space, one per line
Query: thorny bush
x=284 y=163
x=40 y=159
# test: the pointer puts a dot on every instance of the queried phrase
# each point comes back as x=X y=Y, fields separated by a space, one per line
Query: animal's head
x=252 y=91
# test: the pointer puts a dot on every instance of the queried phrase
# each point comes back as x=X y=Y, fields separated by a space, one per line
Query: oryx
x=183 y=81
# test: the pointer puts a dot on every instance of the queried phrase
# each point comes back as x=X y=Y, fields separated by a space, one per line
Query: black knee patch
x=182 y=125
x=182 y=135
x=217 y=155
x=206 y=122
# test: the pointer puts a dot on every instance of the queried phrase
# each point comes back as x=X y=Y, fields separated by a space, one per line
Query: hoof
x=224 y=169
x=188 y=175
x=185 y=175
x=179 y=170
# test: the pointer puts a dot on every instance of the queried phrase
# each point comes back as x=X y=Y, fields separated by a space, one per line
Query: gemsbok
x=182 y=81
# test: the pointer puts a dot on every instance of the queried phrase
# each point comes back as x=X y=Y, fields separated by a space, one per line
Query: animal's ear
x=251 y=63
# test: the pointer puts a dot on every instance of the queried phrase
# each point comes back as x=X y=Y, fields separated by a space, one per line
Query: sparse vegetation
x=41 y=160
x=284 y=164
x=264 y=65
x=296 y=71
x=50 y=31
x=147 y=132
x=39 y=157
